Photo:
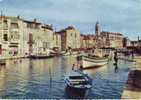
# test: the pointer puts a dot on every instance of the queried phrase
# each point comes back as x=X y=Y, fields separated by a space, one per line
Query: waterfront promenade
x=132 y=88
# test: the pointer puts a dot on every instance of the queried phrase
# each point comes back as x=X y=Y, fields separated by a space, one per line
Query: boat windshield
x=80 y=83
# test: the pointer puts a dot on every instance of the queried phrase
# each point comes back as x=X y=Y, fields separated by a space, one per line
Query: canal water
x=44 y=79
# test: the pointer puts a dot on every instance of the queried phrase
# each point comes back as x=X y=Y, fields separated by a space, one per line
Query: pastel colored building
x=20 y=37
x=87 y=41
x=70 y=38
x=113 y=40
x=11 y=36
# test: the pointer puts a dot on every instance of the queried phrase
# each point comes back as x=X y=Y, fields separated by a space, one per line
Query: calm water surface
x=42 y=79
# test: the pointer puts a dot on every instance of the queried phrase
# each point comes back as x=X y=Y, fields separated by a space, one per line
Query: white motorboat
x=78 y=83
x=92 y=61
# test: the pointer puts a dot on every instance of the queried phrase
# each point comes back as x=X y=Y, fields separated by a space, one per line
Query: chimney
x=35 y=20
x=18 y=16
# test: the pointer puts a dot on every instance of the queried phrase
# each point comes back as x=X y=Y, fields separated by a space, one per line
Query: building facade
x=70 y=38
x=126 y=42
x=112 y=40
x=87 y=41
x=21 y=38
x=57 y=44
x=11 y=33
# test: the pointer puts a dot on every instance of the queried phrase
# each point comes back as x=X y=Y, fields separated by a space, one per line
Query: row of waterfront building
x=20 y=38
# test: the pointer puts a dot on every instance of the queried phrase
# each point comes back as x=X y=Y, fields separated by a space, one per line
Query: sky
x=122 y=16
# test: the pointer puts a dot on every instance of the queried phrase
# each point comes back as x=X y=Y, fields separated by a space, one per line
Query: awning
x=2 y=49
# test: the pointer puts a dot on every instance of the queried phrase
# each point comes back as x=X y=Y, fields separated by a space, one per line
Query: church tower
x=97 y=29
x=99 y=43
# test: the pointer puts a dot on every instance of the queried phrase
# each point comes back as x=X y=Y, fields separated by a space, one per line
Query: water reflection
x=42 y=79
x=116 y=67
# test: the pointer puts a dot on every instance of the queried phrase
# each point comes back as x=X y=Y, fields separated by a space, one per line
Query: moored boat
x=2 y=62
x=92 y=61
x=40 y=56
x=78 y=83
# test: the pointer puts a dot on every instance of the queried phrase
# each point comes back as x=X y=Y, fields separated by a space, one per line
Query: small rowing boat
x=78 y=83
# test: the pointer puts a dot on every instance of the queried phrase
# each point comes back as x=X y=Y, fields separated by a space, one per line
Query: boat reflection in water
x=73 y=94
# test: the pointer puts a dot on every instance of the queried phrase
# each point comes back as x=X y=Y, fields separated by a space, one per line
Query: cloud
x=115 y=15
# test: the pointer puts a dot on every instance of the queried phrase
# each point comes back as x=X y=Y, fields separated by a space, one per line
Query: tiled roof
x=47 y=27
x=32 y=22
x=64 y=30
x=10 y=17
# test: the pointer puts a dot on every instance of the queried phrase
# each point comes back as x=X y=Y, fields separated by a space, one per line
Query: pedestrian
x=116 y=57
x=116 y=68
x=73 y=66
x=81 y=67
x=132 y=52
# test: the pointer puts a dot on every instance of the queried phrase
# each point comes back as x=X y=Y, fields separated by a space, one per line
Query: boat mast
x=50 y=86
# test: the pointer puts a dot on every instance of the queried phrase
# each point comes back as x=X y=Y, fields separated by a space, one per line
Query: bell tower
x=97 y=29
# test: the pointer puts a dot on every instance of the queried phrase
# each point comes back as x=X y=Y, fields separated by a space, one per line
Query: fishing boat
x=44 y=55
x=78 y=83
x=97 y=56
x=93 y=61
x=40 y=56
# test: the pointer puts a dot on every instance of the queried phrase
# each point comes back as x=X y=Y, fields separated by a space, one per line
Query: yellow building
x=19 y=37
x=39 y=36
x=11 y=32
x=57 y=44
x=87 y=41
x=70 y=38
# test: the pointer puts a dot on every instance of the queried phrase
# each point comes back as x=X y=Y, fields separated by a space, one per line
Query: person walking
x=116 y=57
x=116 y=61
x=73 y=66
x=81 y=67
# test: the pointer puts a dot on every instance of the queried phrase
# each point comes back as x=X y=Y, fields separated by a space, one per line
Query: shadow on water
x=73 y=94
x=116 y=67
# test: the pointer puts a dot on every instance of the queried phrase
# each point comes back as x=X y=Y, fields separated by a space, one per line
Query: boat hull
x=77 y=92
x=40 y=57
x=88 y=62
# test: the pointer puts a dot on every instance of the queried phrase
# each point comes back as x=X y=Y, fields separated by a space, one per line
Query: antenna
x=138 y=38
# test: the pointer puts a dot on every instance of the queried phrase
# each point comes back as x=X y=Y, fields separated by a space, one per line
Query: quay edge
x=132 y=89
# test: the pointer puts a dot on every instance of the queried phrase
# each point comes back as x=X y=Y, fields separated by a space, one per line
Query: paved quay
x=132 y=89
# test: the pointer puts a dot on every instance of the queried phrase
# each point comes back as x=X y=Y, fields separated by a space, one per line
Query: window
x=30 y=38
x=14 y=35
x=14 y=25
x=37 y=26
x=44 y=45
x=75 y=35
x=5 y=37
x=29 y=25
x=5 y=24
